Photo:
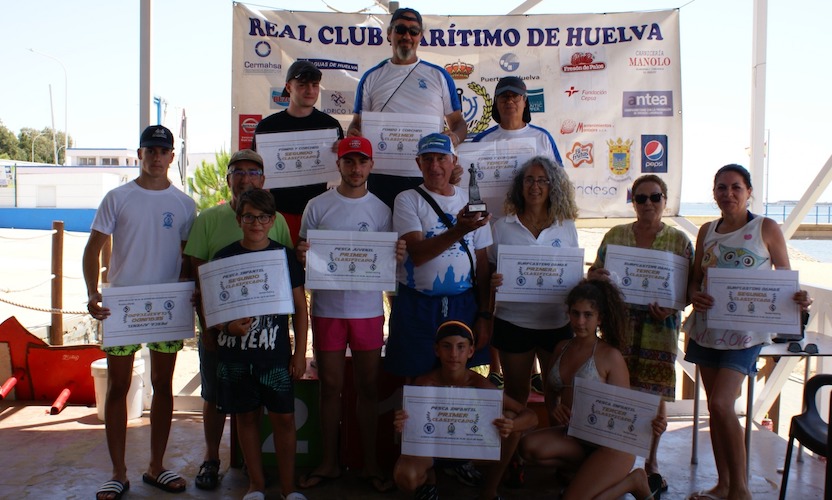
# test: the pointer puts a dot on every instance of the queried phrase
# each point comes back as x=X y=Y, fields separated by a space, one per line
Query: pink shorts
x=333 y=334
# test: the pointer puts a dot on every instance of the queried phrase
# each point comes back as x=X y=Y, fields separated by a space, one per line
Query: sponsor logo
x=571 y=91
x=247 y=125
x=262 y=48
x=647 y=103
x=337 y=102
x=276 y=99
x=619 y=158
x=581 y=154
x=509 y=62
x=324 y=64
x=583 y=94
x=583 y=61
x=537 y=104
x=570 y=126
x=596 y=190
x=459 y=70
x=654 y=154
x=649 y=61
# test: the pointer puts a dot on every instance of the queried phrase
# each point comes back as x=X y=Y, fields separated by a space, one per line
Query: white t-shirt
x=148 y=228
x=333 y=211
x=509 y=230
x=449 y=273
x=544 y=143
x=420 y=87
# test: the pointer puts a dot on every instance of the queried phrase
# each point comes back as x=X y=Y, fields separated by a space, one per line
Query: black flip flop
x=113 y=487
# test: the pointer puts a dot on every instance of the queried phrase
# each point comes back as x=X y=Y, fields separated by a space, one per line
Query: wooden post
x=56 y=332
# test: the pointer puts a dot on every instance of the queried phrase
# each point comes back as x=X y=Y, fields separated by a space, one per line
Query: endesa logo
x=647 y=103
x=654 y=154
x=596 y=190
x=581 y=154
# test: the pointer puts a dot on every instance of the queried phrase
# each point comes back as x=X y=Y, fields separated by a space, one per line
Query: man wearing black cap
x=513 y=117
x=215 y=228
x=149 y=220
x=406 y=84
x=303 y=85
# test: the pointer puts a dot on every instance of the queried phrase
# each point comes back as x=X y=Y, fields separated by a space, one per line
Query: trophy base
x=477 y=207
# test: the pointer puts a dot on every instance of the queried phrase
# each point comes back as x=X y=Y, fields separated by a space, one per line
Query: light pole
x=66 y=101
x=33 y=145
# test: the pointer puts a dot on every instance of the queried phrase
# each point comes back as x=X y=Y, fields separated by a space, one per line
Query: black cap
x=453 y=327
x=156 y=135
x=303 y=70
x=405 y=13
x=511 y=84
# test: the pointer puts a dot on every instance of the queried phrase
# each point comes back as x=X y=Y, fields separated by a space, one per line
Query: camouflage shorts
x=168 y=347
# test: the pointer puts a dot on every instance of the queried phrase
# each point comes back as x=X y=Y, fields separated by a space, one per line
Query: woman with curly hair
x=598 y=317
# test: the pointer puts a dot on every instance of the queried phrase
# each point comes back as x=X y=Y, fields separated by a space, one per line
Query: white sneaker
x=294 y=496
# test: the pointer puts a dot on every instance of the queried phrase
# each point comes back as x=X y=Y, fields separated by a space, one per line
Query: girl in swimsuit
x=597 y=315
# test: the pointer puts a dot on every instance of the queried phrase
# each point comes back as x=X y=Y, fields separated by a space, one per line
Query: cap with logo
x=156 y=136
x=246 y=155
x=511 y=84
x=304 y=71
x=408 y=14
x=436 y=143
x=360 y=145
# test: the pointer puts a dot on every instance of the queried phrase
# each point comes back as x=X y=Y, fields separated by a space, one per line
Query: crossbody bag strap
x=447 y=221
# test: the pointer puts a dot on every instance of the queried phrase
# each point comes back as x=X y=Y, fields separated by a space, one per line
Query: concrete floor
x=65 y=456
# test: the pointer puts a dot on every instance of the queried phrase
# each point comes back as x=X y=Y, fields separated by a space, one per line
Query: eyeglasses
x=809 y=349
x=250 y=218
x=542 y=182
x=242 y=173
x=401 y=29
x=641 y=199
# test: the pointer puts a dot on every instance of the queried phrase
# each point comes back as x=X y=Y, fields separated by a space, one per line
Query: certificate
x=396 y=140
x=148 y=313
x=298 y=158
x=496 y=163
x=351 y=260
x=538 y=274
x=756 y=301
x=613 y=416
x=647 y=276
x=452 y=422
x=251 y=284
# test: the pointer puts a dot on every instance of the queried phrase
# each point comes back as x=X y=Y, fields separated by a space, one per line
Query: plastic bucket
x=134 y=394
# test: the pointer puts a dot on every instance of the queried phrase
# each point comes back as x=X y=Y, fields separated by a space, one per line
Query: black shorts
x=245 y=387
x=510 y=338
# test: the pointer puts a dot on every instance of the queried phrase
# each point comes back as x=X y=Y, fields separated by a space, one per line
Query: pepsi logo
x=654 y=150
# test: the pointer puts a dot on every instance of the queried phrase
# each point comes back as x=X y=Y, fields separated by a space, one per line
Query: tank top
x=587 y=371
x=743 y=248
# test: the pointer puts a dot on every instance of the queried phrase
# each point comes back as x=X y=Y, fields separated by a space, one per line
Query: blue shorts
x=513 y=339
x=414 y=320
x=740 y=360
x=245 y=387
x=207 y=372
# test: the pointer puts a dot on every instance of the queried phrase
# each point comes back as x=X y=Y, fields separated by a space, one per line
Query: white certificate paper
x=351 y=260
x=538 y=274
x=646 y=276
x=242 y=286
x=756 y=301
x=613 y=416
x=298 y=158
x=396 y=140
x=148 y=313
x=495 y=162
x=452 y=422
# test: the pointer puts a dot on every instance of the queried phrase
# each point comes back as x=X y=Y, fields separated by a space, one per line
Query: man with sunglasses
x=406 y=84
x=214 y=229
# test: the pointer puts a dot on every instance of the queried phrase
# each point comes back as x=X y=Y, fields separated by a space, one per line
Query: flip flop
x=255 y=495
x=164 y=481
x=115 y=487
x=702 y=494
x=379 y=483
x=654 y=482
x=319 y=480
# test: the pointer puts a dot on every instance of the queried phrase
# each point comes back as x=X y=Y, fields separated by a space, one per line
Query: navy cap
x=303 y=70
x=405 y=13
x=156 y=135
x=510 y=84
x=436 y=143
x=453 y=327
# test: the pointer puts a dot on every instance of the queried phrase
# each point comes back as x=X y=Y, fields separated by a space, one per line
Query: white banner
x=606 y=86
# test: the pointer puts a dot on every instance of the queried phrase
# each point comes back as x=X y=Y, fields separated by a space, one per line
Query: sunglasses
x=641 y=199
x=809 y=349
x=401 y=29
x=243 y=173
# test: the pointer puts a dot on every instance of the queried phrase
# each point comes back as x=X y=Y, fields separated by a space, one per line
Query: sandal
x=164 y=481
x=113 y=487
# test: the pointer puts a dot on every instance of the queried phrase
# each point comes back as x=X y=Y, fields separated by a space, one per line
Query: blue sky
x=97 y=41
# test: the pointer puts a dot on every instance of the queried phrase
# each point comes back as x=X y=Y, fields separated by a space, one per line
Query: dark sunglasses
x=641 y=199
x=401 y=29
x=809 y=349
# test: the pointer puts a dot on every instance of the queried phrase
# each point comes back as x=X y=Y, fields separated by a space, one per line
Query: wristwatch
x=485 y=315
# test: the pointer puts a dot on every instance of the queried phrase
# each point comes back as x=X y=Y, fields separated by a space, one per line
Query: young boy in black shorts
x=256 y=365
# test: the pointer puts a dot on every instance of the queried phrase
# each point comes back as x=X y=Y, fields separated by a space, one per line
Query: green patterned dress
x=651 y=346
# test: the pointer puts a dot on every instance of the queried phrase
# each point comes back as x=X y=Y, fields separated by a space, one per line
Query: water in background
x=820 y=214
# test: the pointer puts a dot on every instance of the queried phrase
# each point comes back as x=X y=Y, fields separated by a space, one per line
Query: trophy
x=475 y=203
